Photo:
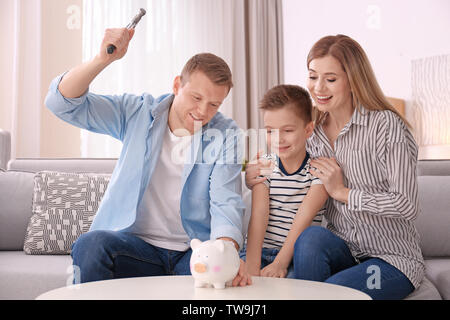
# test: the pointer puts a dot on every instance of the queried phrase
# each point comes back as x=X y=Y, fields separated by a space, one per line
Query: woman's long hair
x=363 y=84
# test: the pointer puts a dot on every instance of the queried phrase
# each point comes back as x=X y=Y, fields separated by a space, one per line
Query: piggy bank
x=214 y=262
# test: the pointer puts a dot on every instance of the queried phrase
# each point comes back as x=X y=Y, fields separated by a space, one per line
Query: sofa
x=24 y=276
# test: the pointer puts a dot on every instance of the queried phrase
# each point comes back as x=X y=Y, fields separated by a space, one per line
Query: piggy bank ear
x=219 y=244
x=195 y=243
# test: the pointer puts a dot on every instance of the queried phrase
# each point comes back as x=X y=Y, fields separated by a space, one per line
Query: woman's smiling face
x=328 y=84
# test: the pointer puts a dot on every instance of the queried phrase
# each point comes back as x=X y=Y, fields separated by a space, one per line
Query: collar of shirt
x=163 y=106
x=359 y=117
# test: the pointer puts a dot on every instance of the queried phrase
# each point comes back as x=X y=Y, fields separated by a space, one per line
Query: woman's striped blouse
x=378 y=156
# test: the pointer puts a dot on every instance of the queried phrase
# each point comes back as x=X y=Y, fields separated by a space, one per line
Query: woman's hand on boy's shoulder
x=253 y=171
x=332 y=177
x=252 y=175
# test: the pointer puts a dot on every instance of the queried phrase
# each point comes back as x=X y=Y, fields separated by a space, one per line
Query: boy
x=290 y=197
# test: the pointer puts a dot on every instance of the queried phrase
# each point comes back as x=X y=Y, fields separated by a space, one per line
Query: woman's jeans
x=102 y=255
x=319 y=255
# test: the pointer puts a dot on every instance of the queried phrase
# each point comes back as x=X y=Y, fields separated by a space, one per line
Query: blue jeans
x=320 y=255
x=103 y=255
x=267 y=257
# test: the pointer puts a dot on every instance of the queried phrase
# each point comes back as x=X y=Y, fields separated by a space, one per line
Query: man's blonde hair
x=214 y=67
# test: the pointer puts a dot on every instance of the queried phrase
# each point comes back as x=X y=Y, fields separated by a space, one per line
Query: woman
x=366 y=157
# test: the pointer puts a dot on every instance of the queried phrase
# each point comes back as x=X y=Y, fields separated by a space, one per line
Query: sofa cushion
x=433 y=167
x=426 y=291
x=16 y=192
x=64 y=206
x=25 y=277
x=433 y=222
x=438 y=271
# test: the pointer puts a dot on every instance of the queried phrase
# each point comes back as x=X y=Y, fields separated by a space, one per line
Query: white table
x=182 y=288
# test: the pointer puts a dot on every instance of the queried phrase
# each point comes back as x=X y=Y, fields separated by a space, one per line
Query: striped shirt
x=378 y=156
x=286 y=193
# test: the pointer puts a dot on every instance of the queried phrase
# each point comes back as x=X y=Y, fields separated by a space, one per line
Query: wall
x=61 y=50
x=40 y=45
x=393 y=34
x=6 y=63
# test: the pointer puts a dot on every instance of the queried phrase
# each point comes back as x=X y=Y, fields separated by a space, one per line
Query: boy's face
x=195 y=102
x=292 y=131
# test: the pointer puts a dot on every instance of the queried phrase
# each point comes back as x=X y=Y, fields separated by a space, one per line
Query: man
x=156 y=204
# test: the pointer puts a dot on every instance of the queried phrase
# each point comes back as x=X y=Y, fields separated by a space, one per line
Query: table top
x=182 y=288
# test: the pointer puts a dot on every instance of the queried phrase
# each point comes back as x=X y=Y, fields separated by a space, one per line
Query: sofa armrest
x=5 y=148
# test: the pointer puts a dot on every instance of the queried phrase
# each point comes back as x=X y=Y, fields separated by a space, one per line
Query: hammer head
x=137 y=18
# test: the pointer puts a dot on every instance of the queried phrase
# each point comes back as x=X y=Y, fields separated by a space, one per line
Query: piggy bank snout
x=200 y=267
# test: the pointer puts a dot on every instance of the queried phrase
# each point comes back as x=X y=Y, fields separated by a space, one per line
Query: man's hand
x=242 y=278
x=120 y=38
x=76 y=82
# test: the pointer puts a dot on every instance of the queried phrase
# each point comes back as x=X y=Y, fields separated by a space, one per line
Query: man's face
x=195 y=102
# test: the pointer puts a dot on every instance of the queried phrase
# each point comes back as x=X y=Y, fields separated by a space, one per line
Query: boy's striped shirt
x=286 y=193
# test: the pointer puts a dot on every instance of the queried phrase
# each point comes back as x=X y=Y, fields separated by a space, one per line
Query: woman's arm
x=253 y=171
x=399 y=158
x=311 y=204
x=257 y=227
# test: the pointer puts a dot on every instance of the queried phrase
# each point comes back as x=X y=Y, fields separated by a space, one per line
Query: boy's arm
x=311 y=204
x=257 y=227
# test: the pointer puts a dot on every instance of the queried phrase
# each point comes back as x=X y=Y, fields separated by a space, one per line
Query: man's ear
x=176 y=85
x=309 y=129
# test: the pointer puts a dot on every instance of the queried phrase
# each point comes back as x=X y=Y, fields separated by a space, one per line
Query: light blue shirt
x=211 y=204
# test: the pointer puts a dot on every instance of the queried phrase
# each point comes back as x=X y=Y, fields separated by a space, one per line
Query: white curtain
x=264 y=43
x=20 y=87
x=166 y=37
x=239 y=31
x=430 y=79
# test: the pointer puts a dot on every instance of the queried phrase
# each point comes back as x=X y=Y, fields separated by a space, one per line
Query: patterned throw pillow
x=64 y=206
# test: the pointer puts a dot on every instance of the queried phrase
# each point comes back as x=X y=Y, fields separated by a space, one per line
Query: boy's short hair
x=289 y=95
x=214 y=67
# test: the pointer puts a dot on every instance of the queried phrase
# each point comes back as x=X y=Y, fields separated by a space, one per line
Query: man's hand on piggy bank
x=217 y=263
x=242 y=278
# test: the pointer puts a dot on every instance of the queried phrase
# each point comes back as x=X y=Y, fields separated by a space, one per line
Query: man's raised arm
x=77 y=80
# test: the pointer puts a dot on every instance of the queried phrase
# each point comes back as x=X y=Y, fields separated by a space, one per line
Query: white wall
x=38 y=43
x=6 y=63
x=393 y=33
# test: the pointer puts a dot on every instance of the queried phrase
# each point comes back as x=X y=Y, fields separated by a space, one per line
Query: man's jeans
x=102 y=255
x=320 y=255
